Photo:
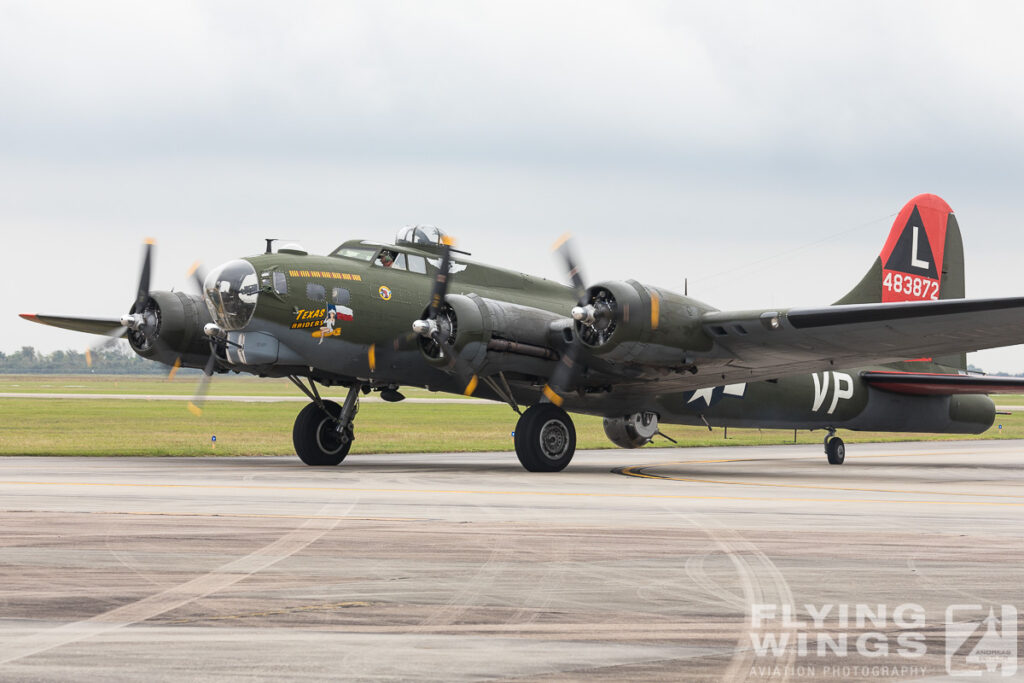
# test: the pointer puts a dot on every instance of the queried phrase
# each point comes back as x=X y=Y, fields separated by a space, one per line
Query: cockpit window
x=417 y=264
x=230 y=292
x=358 y=253
x=388 y=258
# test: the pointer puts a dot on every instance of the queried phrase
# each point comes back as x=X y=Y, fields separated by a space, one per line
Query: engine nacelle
x=471 y=323
x=173 y=330
x=631 y=431
x=628 y=321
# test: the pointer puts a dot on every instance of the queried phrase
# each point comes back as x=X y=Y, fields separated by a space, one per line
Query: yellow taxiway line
x=638 y=471
x=564 y=494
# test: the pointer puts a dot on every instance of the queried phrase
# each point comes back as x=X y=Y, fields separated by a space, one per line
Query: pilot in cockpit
x=386 y=258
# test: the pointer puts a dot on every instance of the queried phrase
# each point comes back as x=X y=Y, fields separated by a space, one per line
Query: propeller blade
x=143 y=294
x=109 y=341
x=195 y=406
x=440 y=283
x=561 y=380
x=564 y=247
x=198 y=274
x=379 y=355
x=462 y=369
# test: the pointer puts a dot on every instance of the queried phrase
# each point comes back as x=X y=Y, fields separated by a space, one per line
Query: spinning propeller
x=198 y=274
x=142 y=326
x=437 y=330
x=594 y=317
x=140 y=323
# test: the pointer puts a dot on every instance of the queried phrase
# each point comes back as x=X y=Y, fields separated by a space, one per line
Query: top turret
x=422 y=236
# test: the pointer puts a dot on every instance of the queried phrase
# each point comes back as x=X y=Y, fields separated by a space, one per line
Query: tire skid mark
x=720 y=595
x=158 y=603
x=446 y=614
x=761 y=582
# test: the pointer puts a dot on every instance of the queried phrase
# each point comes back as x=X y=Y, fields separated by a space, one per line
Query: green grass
x=32 y=426
x=182 y=384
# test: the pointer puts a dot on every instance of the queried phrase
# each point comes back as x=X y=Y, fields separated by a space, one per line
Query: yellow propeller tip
x=552 y=396
x=193 y=268
x=471 y=387
x=561 y=240
x=448 y=240
x=194 y=409
x=149 y=240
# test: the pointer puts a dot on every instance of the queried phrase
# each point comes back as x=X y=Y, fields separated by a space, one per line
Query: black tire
x=317 y=441
x=835 y=449
x=545 y=438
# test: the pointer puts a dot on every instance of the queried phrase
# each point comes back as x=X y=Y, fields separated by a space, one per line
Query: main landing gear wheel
x=835 y=449
x=545 y=438
x=316 y=436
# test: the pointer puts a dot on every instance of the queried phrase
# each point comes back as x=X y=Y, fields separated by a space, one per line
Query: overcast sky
x=760 y=151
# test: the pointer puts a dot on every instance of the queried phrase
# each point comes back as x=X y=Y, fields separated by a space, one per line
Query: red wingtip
x=29 y=316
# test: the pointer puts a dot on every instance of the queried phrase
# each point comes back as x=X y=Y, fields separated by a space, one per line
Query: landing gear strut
x=835 y=449
x=323 y=432
x=545 y=438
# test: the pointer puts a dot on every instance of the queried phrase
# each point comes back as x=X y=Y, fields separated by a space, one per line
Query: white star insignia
x=707 y=393
x=704 y=393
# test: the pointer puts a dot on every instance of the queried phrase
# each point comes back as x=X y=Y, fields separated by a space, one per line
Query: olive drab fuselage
x=380 y=303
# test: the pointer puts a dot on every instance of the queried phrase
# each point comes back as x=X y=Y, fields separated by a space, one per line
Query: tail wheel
x=835 y=449
x=318 y=441
x=545 y=438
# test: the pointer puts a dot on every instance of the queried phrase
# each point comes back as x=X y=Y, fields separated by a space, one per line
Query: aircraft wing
x=90 y=325
x=764 y=344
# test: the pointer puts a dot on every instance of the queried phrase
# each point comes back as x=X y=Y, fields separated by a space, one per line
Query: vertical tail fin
x=922 y=259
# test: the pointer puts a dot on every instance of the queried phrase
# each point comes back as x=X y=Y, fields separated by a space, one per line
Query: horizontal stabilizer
x=90 y=325
x=930 y=384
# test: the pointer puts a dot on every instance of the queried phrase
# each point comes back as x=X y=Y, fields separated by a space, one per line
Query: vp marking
x=842 y=388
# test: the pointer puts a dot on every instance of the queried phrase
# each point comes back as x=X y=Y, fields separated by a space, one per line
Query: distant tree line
x=973 y=368
x=120 y=360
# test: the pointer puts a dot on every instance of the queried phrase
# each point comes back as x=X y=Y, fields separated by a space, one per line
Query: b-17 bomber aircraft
x=888 y=356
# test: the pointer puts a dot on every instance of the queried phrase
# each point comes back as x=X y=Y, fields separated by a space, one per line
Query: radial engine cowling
x=172 y=329
x=631 y=322
x=470 y=323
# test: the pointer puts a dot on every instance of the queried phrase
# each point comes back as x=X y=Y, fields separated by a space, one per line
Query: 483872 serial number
x=911 y=285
